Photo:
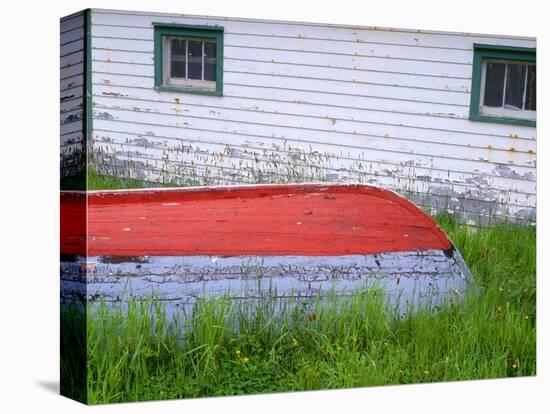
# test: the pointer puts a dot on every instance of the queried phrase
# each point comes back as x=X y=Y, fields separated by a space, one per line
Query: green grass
x=92 y=180
x=98 y=181
x=350 y=343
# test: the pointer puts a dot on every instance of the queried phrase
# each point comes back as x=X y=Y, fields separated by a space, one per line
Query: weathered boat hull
x=255 y=242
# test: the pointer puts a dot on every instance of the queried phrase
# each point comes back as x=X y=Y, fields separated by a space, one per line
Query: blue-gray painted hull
x=415 y=278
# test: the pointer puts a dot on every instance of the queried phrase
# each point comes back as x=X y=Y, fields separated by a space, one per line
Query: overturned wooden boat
x=274 y=241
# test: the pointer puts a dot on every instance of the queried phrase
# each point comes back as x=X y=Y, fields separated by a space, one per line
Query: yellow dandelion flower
x=238 y=353
x=514 y=366
x=246 y=360
x=526 y=317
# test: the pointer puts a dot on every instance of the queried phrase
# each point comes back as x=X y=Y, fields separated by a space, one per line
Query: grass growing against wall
x=98 y=181
x=351 y=343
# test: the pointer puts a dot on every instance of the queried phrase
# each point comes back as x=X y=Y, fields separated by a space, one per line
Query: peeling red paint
x=297 y=219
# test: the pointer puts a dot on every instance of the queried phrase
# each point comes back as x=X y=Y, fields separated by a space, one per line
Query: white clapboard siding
x=118 y=60
x=311 y=30
x=323 y=127
x=350 y=61
x=72 y=36
x=351 y=128
x=69 y=106
x=425 y=165
x=303 y=70
x=384 y=115
x=71 y=116
x=71 y=47
x=282 y=94
x=308 y=84
x=356 y=74
x=348 y=146
x=71 y=22
x=71 y=72
x=312 y=85
x=363 y=148
x=151 y=145
x=71 y=82
x=384 y=106
x=74 y=138
x=311 y=45
x=72 y=94
x=70 y=128
x=71 y=59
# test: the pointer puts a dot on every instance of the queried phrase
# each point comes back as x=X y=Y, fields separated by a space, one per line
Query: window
x=189 y=58
x=504 y=80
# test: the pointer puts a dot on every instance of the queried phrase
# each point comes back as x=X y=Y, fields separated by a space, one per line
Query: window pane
x=210 y=61
x=531 y=94
x=194 y=69
x=515 y=86
x=494 y=84
x=177 y=61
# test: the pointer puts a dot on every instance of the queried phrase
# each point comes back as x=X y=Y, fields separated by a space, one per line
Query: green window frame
x=482 y=53
x=188 y=32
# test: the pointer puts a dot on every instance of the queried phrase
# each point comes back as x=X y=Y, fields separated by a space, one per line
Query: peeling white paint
x=71 y=94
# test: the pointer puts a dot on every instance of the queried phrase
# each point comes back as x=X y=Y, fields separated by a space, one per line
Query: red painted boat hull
x=310 y=220
x=299 y=239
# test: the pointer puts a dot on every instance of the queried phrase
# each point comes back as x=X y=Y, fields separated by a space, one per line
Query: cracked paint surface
x=415 y=278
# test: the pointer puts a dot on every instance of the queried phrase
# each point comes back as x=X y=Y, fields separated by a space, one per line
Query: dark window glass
x=494 y=84
x=194 y=56
x=177 y=61
x=515 y=85
x=210 y=61
x=531 y=93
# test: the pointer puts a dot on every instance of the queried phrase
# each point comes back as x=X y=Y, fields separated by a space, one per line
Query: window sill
x=181 y=89
x=502 y=120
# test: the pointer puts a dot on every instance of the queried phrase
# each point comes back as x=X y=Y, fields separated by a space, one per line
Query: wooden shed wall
x=310 y=102
x=72 y=83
